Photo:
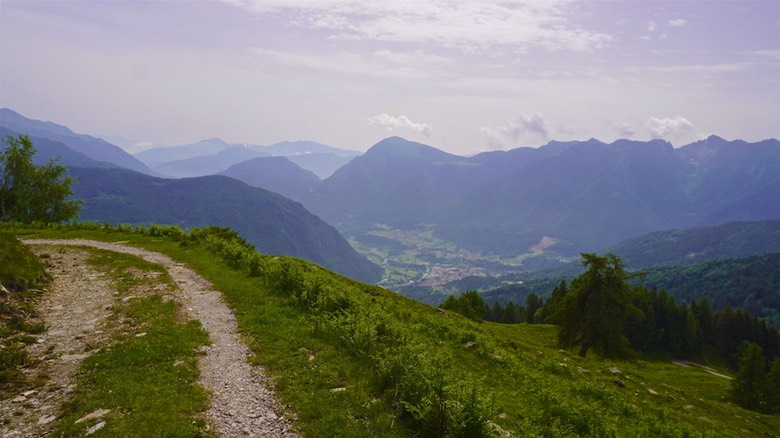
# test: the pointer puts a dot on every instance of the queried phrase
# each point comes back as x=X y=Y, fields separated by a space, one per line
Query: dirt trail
x=242 y=404
x=74 y=315
x=687 y=363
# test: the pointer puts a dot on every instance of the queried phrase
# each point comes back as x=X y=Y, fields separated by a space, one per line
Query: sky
x=462 y=76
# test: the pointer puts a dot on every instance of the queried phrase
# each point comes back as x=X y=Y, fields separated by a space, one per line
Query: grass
x=356 y=360
x=147 y=377
x=20 y=272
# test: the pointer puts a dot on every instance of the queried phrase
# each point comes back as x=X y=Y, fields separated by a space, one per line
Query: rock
x=19 y=399
x=583 y=370
x=652 y=391
x=29 y=393
x=95 y=428
x=615 y=370
x=620 y=383
x=92 y=415
x=340 y=389
x=46 y=419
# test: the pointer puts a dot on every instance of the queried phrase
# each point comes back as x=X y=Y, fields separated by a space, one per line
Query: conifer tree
x=597 y=308
x=747 y=388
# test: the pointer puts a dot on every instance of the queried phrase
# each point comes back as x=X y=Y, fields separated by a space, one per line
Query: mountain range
x=536 y=205
x=114 y=192
x=209 y=157
x=576 y=196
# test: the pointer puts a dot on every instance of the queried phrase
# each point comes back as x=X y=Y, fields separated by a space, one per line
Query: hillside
x=685 y=246
x=94 y=148
x=274 y=224
x=356 y=360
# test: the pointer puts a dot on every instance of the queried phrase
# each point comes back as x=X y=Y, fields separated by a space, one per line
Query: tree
x=748 y=385
x=773 y=387
x=470 y=304
x=29 y=192
x=532 y=304
x=597 y=307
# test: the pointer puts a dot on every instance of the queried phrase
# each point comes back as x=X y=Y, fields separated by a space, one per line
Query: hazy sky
x=463 y=76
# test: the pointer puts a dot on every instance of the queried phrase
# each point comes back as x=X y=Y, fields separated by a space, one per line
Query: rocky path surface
x=242 y=403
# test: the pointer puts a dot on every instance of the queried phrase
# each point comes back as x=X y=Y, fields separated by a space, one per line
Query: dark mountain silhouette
x=95 y=148
x=274 y=224
x=275 y=174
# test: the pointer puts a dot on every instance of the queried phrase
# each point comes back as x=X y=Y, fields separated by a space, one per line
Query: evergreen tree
x=512 y=314
x=748 y=385
x=773 y=387
x=554 y=307
x=597 y=308
x=532 y=304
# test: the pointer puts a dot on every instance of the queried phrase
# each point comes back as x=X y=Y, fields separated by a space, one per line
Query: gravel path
x=242 y=404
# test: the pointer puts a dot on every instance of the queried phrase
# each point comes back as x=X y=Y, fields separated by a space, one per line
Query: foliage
x=749 y=384
x=596 y=309
x=20 y=271
x=31 y=193
x=469 y=304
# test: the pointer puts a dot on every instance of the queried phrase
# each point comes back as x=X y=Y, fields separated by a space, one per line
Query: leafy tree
x=29 y=192
x=597 y=307
x=748 y=385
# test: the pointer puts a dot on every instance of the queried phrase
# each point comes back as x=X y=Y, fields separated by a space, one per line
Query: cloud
x=678 y=22
x=652 y=26
x=625 y=129
x=391 y=123
x=669 y=127
x=526 y=126
x=468 y=25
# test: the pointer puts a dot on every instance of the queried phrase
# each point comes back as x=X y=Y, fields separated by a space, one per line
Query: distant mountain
x=582 y=195
x=396 y=181
x=94 y=148
x=209 y=164
x=156 y=156
x=306 y=147
x=274 y=224
x=47 y=150
x=275 y=174
x=210 y=157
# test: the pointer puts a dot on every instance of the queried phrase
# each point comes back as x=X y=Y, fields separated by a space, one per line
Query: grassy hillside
x=357 y=360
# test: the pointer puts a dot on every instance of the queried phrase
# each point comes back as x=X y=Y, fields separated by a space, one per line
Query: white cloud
x=626 y=130
x=678 y=22
x=390 y=123
x=525 y=127
x=669 y=127
x=652 y=26
x=468 y=25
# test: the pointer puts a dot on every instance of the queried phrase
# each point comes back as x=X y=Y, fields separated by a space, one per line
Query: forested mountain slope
x=274 y=224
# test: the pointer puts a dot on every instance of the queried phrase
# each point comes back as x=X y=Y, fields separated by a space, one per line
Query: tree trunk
x=584 y=349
